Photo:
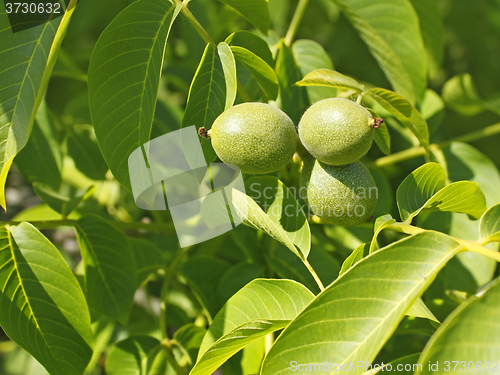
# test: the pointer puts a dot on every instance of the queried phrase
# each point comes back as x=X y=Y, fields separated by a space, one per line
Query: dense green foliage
x=92 y=284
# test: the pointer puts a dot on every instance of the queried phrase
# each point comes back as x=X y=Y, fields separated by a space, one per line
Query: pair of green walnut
x=260 y=138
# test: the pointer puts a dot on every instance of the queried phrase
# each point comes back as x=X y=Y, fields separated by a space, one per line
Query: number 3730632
x=41 y=8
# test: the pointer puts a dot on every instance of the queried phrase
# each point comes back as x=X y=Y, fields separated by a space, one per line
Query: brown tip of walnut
x=376 y=122
x=202 y=132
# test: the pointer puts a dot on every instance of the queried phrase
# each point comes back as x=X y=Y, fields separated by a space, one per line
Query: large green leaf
x=255 y=11
x=404 y=112
x=418 y=188
x=123 y=80
x=260 y=70
x=207 y=97
x=470 y=333
x=229 y=68
x=424 y=189
x=311 y=56
x=490 y=224
x=294 y=99
x=43 y=307
x=261 y=307
x=432 y=29
x=26 y=61
x=110 y=269
x=330 y=78
x=252 y=43
x=272 y=208
x=132 y=356
x=353 y=318
x=391 y=30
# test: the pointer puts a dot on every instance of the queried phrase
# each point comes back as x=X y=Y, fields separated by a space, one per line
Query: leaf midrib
x=14 y=262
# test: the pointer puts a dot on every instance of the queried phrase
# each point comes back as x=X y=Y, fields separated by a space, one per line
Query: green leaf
x=460 y=94
x=357 y=254
x=330 y=78
x=433 y=33
x=470 y=333
x=261 y=307
x=27 y=60
x=207 y=97
x=110 y=269
x=148 y=258
x=294 y=100
x=418 y=188
x=392 y=33
x=229 y=68
x=43 y=307
x=203 y=274
x=252 y=43
x=288 y=266
x=84 y=150
x=132 y=356
x=311 y=56
x=352 y=319
x=382 y=136
x=254 y=11
x=123 y=80
x=58 y=202
x=41 y=159
x=260 y=70
x=380 y=224
x=272 y=208
x=404 y=112
x=420 y=310
x=490 y=225
x=424 y=189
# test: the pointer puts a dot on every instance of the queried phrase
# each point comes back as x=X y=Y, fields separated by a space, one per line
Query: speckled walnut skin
x=343 y=195
x=336 y=131
x=257 y=137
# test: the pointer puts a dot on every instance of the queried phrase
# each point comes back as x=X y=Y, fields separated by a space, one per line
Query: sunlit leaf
x=261 y=307
x=207 y=97
x=310 y=56
x=490 y=224
x=330 y=78
x=43 y=307
x=353 y=318
x=404 y=112
x=391 y=30
x=123 y=80
x=26 y=62
x=275 y=211
x=470 y=334
x=260 y=70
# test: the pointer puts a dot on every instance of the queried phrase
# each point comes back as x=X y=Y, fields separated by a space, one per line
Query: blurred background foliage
x=470 y=62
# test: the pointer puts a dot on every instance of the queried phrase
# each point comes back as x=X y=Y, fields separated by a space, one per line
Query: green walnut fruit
x=343 y=195
x=257 y=137
x=337 y=131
